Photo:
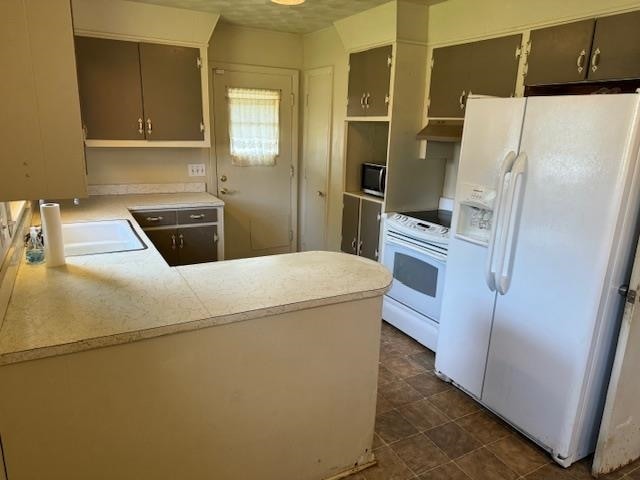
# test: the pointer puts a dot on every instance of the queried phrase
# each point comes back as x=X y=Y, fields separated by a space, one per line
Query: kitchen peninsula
x=119 y=366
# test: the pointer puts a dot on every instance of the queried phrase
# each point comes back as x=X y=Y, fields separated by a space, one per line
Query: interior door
x=619 y=439
x=357 y=84
x=616 y=47
x=172 y=91
x=315 y=157
x=449 y=81
x=259 y=200
x=110 y=90
x=547 y=361
x=370 y=214
x=350 y=224
x=378 y=80
x=560 y=54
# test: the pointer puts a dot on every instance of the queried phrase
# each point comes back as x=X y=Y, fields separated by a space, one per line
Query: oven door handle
x=422 y=251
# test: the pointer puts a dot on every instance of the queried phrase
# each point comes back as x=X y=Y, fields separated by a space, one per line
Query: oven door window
x=416 y=274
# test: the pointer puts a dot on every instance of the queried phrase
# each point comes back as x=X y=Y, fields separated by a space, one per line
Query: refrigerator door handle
x=505 y=168
x=518 y=178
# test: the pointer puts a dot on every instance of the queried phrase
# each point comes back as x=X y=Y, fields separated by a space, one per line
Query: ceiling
x=308 y=17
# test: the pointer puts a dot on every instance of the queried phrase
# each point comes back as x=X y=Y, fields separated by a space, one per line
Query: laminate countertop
x=109 y=299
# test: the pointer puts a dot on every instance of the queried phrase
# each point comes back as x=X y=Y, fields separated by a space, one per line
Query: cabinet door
x=166 y=242
x=370 y=229
x=110 y=89
x=616 y=48
x=350 y=218
x=378 y=81
x=172 y=92
x=494 y=66
x=357 y=84
x=560 y=54
x=197 y=244
x=449 y=81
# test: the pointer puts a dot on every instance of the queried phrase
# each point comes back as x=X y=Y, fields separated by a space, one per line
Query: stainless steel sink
x=104 y=236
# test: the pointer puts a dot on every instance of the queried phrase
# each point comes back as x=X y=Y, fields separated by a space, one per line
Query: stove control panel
x=419 y=229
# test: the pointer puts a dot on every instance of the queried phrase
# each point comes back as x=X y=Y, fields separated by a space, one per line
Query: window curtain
x=254 y=126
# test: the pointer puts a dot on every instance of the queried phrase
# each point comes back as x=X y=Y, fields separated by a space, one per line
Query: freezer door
x=554 y=327
x=491 y=131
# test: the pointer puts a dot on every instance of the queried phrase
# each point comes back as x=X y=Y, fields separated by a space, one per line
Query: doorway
x=255 y=142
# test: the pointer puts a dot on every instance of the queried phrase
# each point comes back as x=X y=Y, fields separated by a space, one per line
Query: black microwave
x=374 y=179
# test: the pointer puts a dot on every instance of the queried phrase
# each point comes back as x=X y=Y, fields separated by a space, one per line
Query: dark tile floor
x=428 y=430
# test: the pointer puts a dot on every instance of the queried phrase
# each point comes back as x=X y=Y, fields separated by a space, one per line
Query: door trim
x=303 y=164
x=294 y=76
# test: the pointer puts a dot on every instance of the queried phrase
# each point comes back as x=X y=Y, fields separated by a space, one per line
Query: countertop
x=109 y=299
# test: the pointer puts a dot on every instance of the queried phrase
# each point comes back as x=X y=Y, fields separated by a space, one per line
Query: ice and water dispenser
x=475 y=214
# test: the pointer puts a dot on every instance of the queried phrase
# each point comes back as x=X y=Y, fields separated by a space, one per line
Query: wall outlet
x=196 y=170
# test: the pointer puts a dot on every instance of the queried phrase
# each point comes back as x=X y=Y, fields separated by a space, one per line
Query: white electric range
x=415 y=251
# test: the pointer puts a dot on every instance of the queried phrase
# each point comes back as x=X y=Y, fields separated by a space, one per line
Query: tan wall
x=252 y=46
x=143 y=165
x=321 y=49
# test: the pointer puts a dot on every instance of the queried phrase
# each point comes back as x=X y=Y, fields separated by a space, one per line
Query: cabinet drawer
x=154 y=218
x=197 y=215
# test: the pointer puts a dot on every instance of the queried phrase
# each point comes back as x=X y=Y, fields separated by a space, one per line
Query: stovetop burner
x=439 y=217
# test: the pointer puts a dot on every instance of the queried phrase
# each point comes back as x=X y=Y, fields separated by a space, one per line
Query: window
x=254 y=126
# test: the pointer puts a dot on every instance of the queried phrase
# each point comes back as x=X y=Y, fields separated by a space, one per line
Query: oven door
x=418 y=275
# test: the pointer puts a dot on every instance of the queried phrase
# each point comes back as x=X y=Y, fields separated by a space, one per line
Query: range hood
x=442 y=130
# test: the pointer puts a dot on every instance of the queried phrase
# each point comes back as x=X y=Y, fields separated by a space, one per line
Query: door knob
x=224 y=191
x=321 y=193
x=223 y=178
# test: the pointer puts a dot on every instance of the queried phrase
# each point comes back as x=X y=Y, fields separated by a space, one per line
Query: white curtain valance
x=254 y=126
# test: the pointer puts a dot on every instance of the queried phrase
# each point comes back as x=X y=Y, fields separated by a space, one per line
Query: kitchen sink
x=104 y=236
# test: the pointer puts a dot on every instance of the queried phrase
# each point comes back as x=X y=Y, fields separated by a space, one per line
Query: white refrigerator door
x=553 y=329
x=492 y=130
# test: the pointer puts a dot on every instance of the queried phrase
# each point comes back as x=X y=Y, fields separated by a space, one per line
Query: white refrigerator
x=543 y=236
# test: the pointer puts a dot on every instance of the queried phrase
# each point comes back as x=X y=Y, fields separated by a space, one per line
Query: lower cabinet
x=361 y=226
x=184 y=236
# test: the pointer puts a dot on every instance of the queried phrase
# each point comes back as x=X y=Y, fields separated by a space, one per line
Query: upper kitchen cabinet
x=487 y=67
x=141 y=94
x=369 y=82
x=172 y=92
x=615 y=53
x=559 y=54
x=40 y=126
x=110 y=92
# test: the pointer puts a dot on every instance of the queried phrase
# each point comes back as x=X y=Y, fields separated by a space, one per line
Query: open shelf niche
x=366 y=142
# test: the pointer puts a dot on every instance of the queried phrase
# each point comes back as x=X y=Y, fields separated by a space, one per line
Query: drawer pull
x=200 y=216
x=154 y=219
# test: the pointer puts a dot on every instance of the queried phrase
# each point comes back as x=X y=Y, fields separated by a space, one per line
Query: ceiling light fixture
x=288 y=2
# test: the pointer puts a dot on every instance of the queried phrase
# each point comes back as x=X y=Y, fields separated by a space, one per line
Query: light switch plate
x=196 y=170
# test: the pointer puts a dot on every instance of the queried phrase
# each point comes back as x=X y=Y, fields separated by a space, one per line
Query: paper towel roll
x=52 y=232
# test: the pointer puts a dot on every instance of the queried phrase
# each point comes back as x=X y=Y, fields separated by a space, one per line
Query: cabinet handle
x=149 y=126
x=376 y=254
x=595 y=60
x=366 y=101
x=580 y=61
x=389 y=61
x=181 y=237
x=353 y=245
x=462 y=99
x=215 y=238
x=362 y=100
x=154 y=219
x=360 y=247
x=196 y=217
x=201 y=126
x=140 y=126
x=173 y=242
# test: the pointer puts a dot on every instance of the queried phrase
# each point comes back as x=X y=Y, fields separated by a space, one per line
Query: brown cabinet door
x=197 y=244
x=494 y=66
x=350 y=219
x=616 y=48
x=560 y=54
x=110 y=92
x=172 y=92
x=166 y=242
x=370 y=229
x=450 y=81
x=357 y=84
x=378 y=79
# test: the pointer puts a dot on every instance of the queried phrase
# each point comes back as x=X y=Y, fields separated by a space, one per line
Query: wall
x=324 y=48
x=107 y=166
